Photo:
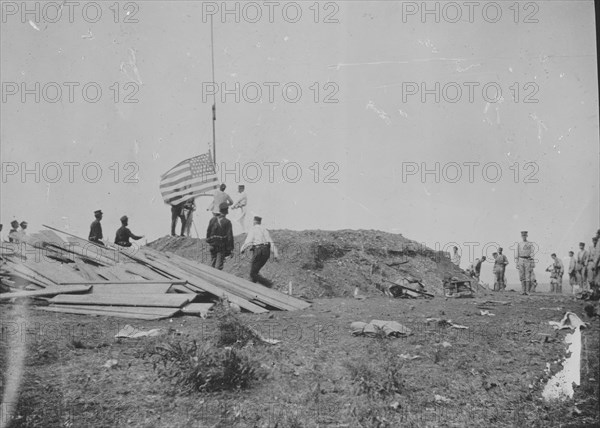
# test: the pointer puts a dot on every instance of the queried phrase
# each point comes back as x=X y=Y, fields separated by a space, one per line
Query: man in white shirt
x=219 y=197
x=455 y=257
x=241 y=204
x=260 y=243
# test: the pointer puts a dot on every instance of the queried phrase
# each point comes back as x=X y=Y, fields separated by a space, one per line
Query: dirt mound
x=332 y=263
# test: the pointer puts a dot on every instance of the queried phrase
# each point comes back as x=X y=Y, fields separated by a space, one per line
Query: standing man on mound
x=524 y=262
x=259 y=241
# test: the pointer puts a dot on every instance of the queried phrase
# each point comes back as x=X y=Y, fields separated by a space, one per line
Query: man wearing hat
x=123 y=234
x=241 y=204
x=219 y=198
x=14 y=232
x=572 y=271
x=260 y=243
x=525 y=263
x=96 y=229
x=23 y=225
x=219 y=236
x=582 y=261
x=592 y=254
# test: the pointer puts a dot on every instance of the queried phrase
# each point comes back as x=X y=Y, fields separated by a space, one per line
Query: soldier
x=14 y=232
x=559 y=268
x=501 y=261
x=260 y=243
x=96 y=229
x=592 y=254
x=219 y=236
x=123 y=234
x=525 y=263
x=572 y=271
x=582 y=261
x=23 y=225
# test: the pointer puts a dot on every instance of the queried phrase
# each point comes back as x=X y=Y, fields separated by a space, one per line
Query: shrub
x=190 y=368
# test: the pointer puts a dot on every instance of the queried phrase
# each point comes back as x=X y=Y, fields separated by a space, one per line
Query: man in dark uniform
x=177 y=213
x=14 y=231
x=123 y=234
x=96 y=229
x=219 y=236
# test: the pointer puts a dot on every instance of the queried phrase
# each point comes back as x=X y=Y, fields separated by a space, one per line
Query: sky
x=458 y=126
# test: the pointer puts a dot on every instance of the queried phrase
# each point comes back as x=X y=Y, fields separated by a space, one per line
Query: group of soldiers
x=584 y=269
x=121 y=237
x=219 y=233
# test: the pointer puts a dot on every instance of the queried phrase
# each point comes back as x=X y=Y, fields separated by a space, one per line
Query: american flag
x=189 y=178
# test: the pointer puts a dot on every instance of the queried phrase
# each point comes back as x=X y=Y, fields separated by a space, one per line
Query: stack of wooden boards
x=131 y=283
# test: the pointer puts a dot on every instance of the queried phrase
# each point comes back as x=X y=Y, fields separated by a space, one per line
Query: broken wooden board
x=143 y=313
x=48 y=291
x=228 y=282
x=155 y=300
x=197 y=308
x=200 y=285
x=142 y=288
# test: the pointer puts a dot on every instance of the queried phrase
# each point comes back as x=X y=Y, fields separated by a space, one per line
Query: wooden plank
x=197 y=308
x=130 y=288
x=139 y=282
x=54 y=271
x=257 y=291
x=143 y=271
x=158 y=300
x=93 y=310
x=106 y=272
x=220 y=290
x=237 y=285
x=48 y=291
x=86 y=271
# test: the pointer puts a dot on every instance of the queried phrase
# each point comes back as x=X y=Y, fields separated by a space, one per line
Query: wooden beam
x=48 y=291
x=121 y=312
x=157 y=300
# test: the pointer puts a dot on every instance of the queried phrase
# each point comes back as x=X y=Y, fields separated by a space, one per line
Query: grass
x=320 y=375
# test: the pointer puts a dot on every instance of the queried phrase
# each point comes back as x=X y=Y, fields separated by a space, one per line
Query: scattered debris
x=123 y=283
x=488 y=313
x=446 y=323
x=110 y=364
x=131 y=332
x=560 y=386
x=569 y=320
x=409 y=357
x=441 y=399
x=378 y=327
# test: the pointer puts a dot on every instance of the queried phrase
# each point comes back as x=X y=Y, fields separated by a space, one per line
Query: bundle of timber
x=123 y=282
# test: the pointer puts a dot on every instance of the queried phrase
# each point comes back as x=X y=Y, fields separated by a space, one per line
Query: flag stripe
x=189 y=178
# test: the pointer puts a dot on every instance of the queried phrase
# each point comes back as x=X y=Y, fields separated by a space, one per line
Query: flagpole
x=214 y=106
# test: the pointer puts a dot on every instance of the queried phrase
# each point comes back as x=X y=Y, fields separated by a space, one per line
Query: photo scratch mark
x=412 y=61
x=131 y=67
x=89 y=34
x=540 y=124
x=382 y=114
